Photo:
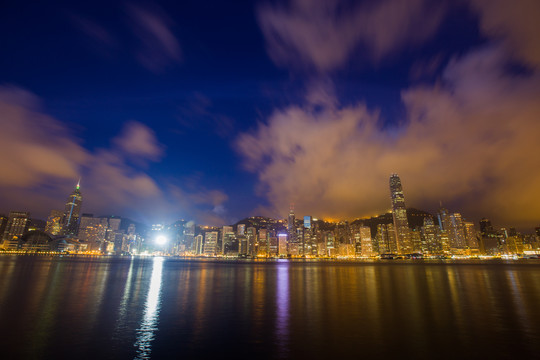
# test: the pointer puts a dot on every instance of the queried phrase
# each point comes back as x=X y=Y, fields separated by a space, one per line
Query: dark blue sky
x=198 y=75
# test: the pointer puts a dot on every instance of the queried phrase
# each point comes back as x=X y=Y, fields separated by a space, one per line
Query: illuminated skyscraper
x=399 y=212
x=71 y=212
x=291 y=226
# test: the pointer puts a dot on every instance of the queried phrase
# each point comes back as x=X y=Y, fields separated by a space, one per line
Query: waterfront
x=107 y=307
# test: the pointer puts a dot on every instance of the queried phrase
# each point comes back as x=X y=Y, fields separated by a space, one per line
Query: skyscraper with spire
x=399 y=213
x=72 y=212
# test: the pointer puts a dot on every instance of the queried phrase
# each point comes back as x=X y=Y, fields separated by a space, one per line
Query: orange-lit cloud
x=469 y=140
x=42 y=161
x=515 y=23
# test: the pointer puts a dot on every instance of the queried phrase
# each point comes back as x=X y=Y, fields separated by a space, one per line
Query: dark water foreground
x=122 y=308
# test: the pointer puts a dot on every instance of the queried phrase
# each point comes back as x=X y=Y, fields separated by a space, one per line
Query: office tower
x=241 y=229
x=307 y=222
x=282 y=244
x=291 y=226
x=54 y=223
x=210 y=243
x=386 y=238
x=470 y=235
x=399 y=213
x=3 y=224
x=251 y=238
x=189 y=236
x=198 y=243
x=365 y=240
x=263 y=242
x=416 y=239
x=490 y=239
x=485 y=226
x=227 y=234
x=15 y=228
x=71 y=213
x=458 y=237
x=429 y=234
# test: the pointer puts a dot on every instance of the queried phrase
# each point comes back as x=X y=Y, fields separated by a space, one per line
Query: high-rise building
x=429 y=234
x=470 y=236
x=3 y=224
x=457 y=232
x=365 y=240
x=399 y=213
x=54 y=222
x=16 y=226
x=282 y=244
x=291 y=226
x=307 y=221
x=210 y=243
x=71 y=212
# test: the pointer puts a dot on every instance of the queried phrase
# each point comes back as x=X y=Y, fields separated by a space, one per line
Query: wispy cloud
x=93 y=30
x=323 y=34
x=139 y=141
x=159 y=47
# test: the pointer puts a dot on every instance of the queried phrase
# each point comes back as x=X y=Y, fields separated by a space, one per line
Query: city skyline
x=169 y=110
x=408 y=233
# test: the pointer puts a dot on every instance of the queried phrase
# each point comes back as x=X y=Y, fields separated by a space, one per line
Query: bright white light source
x=161 y=240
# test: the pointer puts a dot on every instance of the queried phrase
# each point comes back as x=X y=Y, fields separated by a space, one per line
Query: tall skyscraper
x=291 y=225
x=72 y=212
x=399 y=212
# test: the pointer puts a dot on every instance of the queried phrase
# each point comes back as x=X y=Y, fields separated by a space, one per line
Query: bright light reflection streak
x=282 y=325
x=145 y=333
x=122 y=310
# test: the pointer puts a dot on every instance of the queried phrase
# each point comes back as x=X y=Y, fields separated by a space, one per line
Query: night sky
x=217 y=110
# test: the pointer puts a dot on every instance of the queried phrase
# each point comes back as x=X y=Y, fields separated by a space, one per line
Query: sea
x=77 y=307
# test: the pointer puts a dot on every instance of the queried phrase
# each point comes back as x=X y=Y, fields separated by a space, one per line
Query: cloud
x=140 y=141
x=515 y=22
x=324 y=33
x=42 y=161
x=469 y=140
x=34 y=145
x=198 y=113
x=93 y=30
x=159 y=47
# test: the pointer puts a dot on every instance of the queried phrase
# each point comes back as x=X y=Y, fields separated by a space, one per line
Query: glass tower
x=71 y=212
x=399 y=213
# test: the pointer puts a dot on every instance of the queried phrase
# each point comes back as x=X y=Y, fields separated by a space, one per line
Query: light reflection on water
x=282 y=299
x=149 y=323
x=163 y=308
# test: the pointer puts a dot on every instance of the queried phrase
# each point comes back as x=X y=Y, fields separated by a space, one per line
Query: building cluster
x=403 y=232
x=68 y=230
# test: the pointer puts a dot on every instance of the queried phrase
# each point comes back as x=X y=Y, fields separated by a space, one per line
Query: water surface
x=124 y=308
